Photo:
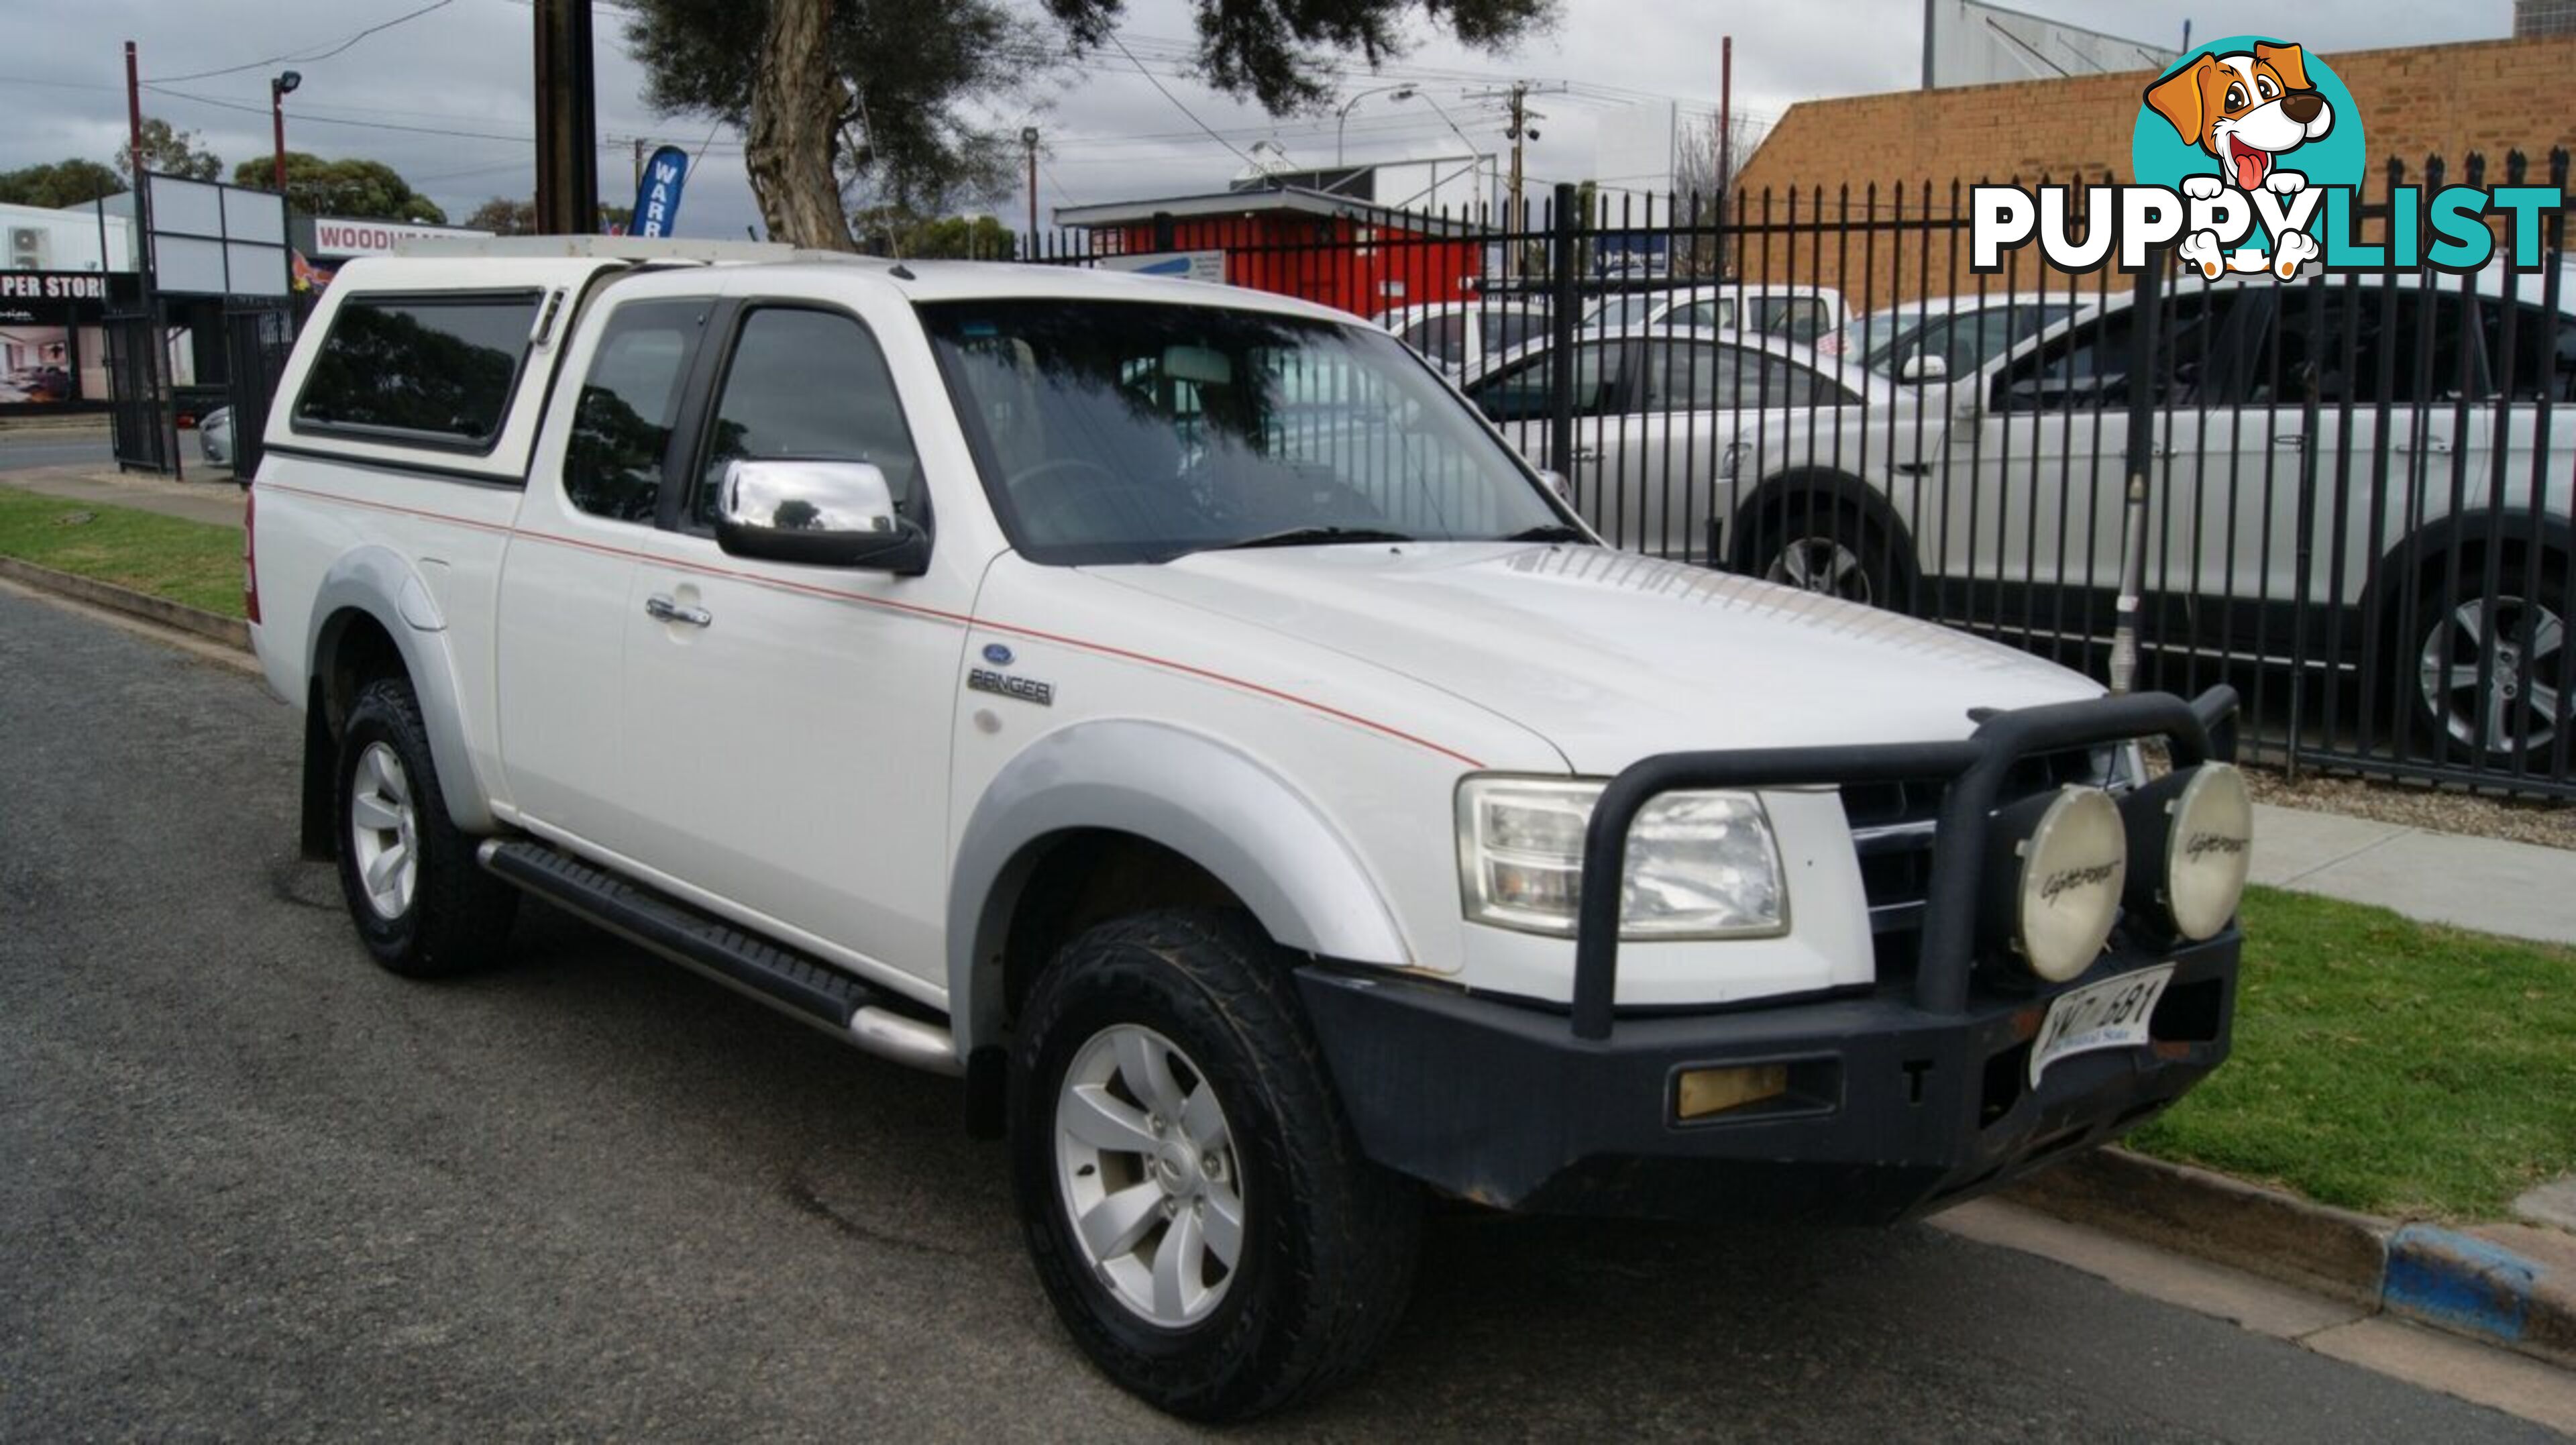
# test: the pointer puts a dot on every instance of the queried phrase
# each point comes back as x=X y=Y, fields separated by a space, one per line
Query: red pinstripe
x=931 y=613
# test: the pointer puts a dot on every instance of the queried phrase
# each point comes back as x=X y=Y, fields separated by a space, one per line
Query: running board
x=810 y=991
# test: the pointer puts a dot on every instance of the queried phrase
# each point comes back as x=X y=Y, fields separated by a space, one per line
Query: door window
x=2090 y=366
x=1442 y=338
x=621 y=426
x=811 y=386
x=1521 y=392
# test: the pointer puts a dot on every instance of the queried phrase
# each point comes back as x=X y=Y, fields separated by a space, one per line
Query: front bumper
x=1891 y=1111
x=1901 y=1100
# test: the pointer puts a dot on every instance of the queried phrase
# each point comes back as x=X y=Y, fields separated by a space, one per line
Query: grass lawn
x=192 y=562
x=2388 y=1065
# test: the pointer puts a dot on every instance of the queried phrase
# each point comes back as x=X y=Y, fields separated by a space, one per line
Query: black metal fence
x=2349 y=495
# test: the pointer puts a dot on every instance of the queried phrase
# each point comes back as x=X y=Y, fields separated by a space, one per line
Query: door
x=569 y=572
x=1519 y=399
x=794 y=720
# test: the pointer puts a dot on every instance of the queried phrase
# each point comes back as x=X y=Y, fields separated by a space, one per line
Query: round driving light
x=2192 y=832
x=2067 y=873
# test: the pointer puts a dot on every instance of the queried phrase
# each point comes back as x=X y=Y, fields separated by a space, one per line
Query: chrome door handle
x=2290 y=439
x=2438 y=446
x=663 y=609
x=1587 y=454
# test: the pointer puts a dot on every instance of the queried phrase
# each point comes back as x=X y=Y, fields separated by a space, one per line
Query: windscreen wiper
x=1547 y=532
x=1311 y=537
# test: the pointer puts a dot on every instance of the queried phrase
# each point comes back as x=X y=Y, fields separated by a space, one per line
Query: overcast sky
x=1110 y=135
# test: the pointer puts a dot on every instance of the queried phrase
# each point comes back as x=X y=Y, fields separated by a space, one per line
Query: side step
x=811 y=991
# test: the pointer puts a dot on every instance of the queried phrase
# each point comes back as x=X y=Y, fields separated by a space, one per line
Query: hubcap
x=1821 y=564
x=384 y=833
x=1146 y=1169
x=2496 y=675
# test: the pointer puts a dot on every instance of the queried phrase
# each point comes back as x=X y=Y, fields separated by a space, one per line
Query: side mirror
x=823 y=514
x=1925 y=366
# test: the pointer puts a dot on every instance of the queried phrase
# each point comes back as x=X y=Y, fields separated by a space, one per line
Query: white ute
x=1172 y=709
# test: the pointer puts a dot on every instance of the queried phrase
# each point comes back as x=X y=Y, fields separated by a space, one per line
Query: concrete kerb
x=214 y=626
x=2510 y=1287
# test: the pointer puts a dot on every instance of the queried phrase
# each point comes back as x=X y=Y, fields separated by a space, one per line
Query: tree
x=892 y=231
x=847 y=101
x=918 y=80
x=73 y=182
x=503 y=216
x=362 y=189
x=171 y=151
x=1702 y=177
x=1278 y=52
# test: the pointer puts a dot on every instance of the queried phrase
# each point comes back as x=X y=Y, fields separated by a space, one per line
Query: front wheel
x=1193 y=1199
x=1825 y=547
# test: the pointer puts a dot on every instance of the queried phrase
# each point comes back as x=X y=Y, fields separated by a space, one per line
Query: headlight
x=1729 y=460
x=1700 y=865
x=2062 y=860
x=2192 y=832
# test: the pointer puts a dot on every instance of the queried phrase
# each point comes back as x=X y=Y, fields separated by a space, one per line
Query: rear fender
x=375 y=582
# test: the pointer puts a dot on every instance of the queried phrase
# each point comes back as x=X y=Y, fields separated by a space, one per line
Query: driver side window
x=811 y=386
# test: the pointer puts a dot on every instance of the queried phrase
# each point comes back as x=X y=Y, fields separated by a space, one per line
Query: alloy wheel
x=2495 y=675
x=1146 y=1170
x=384 y=832
x=1822 y=565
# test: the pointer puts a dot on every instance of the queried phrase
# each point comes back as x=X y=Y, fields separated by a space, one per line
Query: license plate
x=2111 y=1014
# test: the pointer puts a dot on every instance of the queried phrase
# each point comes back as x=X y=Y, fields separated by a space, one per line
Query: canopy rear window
x=436 y=370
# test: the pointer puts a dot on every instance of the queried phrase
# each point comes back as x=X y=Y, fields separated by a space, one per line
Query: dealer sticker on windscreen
x=2112 y=1014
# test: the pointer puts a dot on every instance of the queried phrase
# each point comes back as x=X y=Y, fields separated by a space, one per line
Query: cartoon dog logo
x=2247 y=109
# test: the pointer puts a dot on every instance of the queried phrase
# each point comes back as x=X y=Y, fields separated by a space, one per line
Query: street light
x=278 y=90
x=1475 y=158
x=1401 y=92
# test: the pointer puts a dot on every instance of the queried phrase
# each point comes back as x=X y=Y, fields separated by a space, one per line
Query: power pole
x=1725 y=142
x=567 y=120
x=1029 y=143
x=1515 y=214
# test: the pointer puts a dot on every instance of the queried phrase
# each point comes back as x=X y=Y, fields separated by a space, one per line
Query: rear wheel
x=2490 y=677
x=421 y=904
x=1194 y=1202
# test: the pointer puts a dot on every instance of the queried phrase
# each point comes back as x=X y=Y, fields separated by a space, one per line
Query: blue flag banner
x=657 y=196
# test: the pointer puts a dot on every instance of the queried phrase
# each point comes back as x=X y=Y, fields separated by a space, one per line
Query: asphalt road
x=48 y=447
x=250 y=1186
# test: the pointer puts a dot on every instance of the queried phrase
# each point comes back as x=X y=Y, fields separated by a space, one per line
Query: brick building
x=2447 y=100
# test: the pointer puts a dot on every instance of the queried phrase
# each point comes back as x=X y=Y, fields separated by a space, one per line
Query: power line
x=307 y=57
x=1176 y=101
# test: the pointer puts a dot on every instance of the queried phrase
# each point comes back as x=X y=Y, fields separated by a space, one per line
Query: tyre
x=1194 y=1202
x=422 y=905
x=1826 y=546
x=2489 y=679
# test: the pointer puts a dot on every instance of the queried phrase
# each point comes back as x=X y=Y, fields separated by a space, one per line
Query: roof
x=467 y=264
x=1295 y=200
x=1845 y=370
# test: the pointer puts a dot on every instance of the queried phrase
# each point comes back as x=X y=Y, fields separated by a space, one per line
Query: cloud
x=1108 y=134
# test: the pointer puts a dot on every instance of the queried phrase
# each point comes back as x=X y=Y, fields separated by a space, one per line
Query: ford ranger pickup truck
x=1174 y=711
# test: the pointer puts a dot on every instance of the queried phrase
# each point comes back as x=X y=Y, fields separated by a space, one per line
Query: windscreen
x=1124 y=432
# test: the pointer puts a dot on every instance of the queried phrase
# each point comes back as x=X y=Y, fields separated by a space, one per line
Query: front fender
x=376 y=582
x=1246 y=825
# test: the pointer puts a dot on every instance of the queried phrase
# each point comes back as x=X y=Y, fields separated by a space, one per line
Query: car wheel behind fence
x=2489 y=676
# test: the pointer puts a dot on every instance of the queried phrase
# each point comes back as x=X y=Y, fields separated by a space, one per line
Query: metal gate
x=257 y=340
x=138 y=423
x=2347 y=495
